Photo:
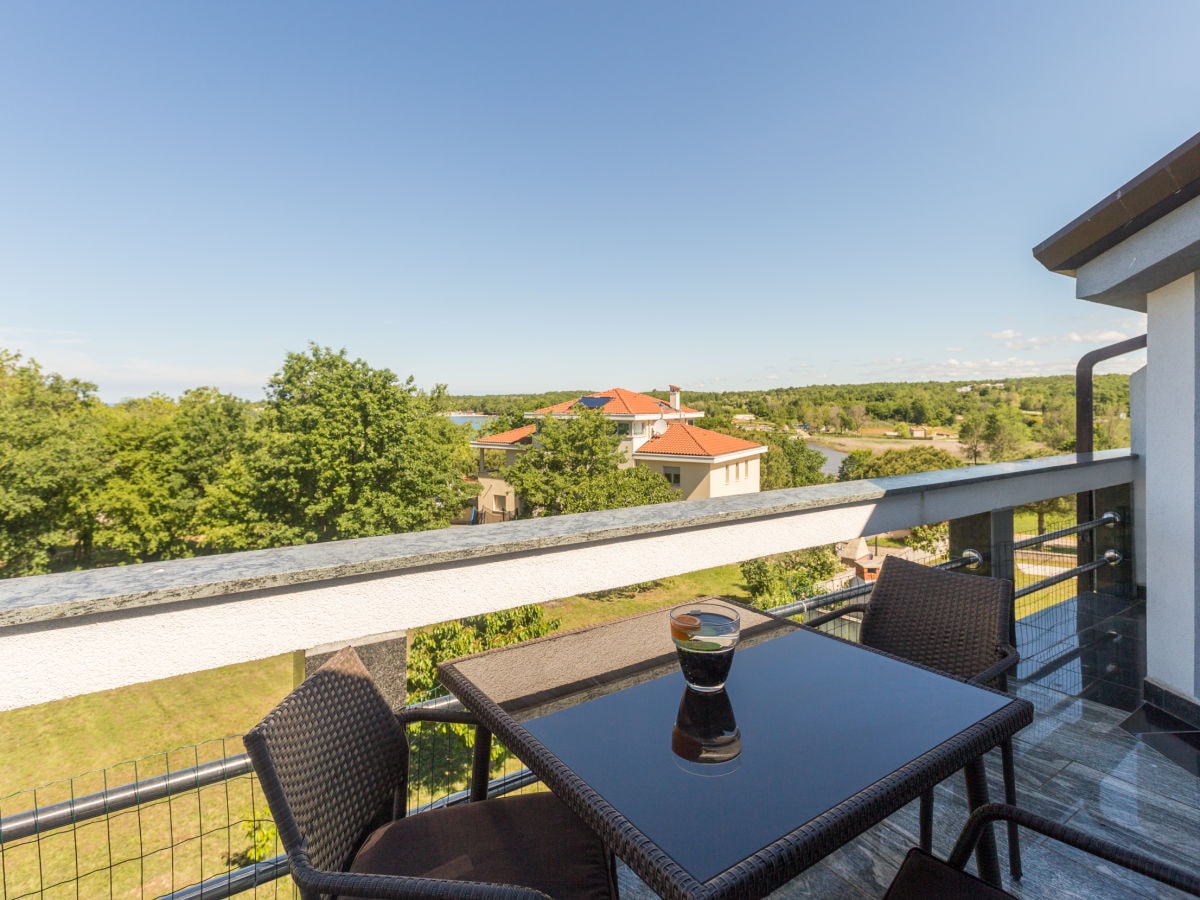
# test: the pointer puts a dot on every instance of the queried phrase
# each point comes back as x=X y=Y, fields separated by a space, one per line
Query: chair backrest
x=945 y=620
x=330 y=759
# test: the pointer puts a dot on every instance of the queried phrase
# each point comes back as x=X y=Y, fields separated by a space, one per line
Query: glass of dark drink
x=705 y=633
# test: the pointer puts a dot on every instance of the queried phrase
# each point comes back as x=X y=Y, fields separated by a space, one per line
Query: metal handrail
x=106 y=802
x=1110 y=558
x=1109 y=518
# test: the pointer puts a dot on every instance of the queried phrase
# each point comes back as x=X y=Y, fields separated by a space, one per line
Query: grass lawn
x=576 y=612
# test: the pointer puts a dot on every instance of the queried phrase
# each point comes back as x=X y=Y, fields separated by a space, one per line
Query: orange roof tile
x=688 y=440
x=515 y=436
x=620 y=403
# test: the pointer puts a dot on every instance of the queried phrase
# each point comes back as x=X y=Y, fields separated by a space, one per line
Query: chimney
x=675 y=389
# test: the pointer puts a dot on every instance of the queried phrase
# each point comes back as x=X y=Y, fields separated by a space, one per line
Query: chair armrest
x=435 y=714
x=400 y=887
x=836 y=614
x=1067 y=834
x=1008 y=660
x=481 y=753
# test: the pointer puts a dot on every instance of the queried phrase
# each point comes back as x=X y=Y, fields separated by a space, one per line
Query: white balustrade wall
x=74 y=633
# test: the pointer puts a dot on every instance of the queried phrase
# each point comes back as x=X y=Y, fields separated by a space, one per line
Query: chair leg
x=1010 y=797
x=927 y=821
x=986 y=863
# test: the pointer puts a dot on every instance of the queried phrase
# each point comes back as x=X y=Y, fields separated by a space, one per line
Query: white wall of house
x=737 y=476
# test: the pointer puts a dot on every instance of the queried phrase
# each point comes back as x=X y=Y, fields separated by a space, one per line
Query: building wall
x=496 y=501
x=738 y=477
x=1172 y=532
x=693 y=477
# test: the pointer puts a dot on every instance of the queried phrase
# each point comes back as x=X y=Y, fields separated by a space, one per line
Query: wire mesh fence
x=200 y=840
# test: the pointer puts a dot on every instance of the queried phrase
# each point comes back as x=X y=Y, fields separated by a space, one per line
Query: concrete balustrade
x=79 y=632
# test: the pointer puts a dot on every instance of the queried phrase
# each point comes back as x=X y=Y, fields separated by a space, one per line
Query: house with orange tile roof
x=638 y=417
x=654 y=433
x=702 y=463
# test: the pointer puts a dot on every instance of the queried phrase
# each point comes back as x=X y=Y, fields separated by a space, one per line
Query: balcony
x=1085 y=653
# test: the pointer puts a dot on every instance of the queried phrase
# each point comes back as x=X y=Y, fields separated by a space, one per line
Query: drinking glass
x=705 y=633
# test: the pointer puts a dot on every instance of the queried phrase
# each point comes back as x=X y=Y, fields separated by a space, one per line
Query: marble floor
x=1079 y=762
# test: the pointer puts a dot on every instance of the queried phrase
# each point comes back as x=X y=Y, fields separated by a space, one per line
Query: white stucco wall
x=1172 y=433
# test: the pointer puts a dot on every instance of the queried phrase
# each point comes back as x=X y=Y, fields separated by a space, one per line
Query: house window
x=500 y=503
x=671 y=473
x=727 y=474
x=637 y=427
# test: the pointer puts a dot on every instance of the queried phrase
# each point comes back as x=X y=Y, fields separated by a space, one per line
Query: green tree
x=855 y=466
x=441 y=754
x=575 y=465
x=775 y=580
x=1057 y=427
x=52 y=459
x=864 y=464
x=970 y=435
x=344 y=450
x=1004 y=433
x=1056 y=507
x=166 y=456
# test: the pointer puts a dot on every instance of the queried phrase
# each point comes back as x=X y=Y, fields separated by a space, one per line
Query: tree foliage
x=1005 y=433
x=51 y=458
x=861 y=464
x=436 y=763
x=575 y=466
x=775 y=580
x=344 y=450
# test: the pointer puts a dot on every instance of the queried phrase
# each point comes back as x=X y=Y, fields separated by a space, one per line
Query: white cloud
x=1014 y=340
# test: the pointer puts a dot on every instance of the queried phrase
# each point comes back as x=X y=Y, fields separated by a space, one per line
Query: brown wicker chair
x=928 y=878
x=952 y=622
x=332 y=760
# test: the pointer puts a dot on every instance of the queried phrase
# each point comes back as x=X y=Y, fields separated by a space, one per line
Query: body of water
x=475 y=421
x=833 y=458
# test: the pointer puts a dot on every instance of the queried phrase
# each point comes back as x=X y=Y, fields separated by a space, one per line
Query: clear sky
x=524 y=196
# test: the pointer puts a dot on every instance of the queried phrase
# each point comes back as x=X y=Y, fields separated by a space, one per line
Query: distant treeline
x=1046 y=402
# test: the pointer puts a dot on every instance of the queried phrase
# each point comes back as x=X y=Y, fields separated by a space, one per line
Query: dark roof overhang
x=1162 y=188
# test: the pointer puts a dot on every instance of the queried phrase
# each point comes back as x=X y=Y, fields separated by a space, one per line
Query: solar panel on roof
x=594 y=402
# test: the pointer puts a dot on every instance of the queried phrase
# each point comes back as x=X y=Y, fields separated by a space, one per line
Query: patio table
x=834 y=737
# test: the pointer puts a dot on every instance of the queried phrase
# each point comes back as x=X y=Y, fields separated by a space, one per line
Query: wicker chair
x=928 y=878
x=332 y=760
x=955 y=623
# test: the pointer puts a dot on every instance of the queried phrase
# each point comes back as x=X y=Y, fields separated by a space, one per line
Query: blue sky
x=525 y=196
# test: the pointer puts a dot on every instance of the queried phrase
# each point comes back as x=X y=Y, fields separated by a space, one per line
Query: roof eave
x=1157 y=191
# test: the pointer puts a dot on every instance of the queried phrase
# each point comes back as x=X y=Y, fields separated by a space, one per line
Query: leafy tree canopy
x=344 y=450
x=575 y=465
x=864 y=464
x=51 y=457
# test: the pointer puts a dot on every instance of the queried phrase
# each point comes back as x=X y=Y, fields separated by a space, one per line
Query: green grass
x=577 y=612
x=53 y=741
